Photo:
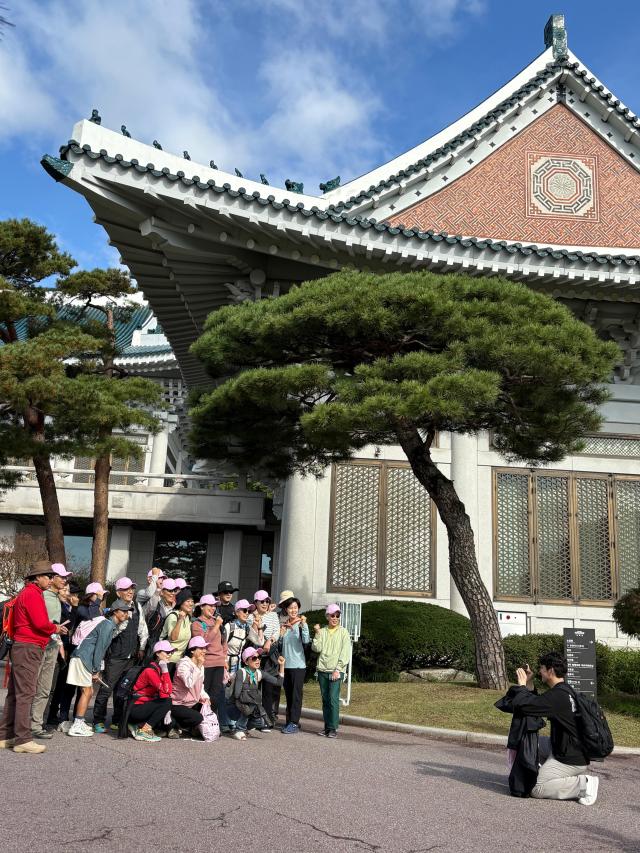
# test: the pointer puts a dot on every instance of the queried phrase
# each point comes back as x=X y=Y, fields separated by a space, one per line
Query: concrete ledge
x=435 y=733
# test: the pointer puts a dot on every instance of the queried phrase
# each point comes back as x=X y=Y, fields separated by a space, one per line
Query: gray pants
x=558 y=781
x=43 y=688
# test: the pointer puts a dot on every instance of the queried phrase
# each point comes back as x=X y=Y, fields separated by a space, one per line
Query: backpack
x=7 y=632
x=593 y=728
x=123 y=692
x=84 y=629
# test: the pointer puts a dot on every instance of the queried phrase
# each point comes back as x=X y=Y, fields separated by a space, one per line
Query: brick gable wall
x=555 y=182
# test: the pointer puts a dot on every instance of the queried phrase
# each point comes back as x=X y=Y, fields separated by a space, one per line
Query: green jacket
x=334 y=649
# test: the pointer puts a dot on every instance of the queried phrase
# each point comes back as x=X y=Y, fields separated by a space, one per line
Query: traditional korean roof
x=196 y=238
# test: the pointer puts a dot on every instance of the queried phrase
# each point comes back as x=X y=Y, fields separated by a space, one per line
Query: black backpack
x=593 y=727
x=124 y=693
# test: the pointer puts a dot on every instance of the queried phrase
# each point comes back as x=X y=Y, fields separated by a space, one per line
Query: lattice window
x=625 y=447
x=355 y=526
x=628 y=521
x=381 y=530
x=407 y=562
x=554 y=551
x=593 y=538
x=117 y=464
x=512 y=546
x=554 y=536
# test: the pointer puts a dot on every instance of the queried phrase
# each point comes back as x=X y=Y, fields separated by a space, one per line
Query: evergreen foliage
x=626 y=613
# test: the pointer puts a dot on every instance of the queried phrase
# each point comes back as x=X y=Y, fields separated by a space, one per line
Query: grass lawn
x=462 y=706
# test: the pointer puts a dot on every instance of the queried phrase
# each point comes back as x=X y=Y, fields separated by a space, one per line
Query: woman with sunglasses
x=239 y=632
x=333 y=645
x=247 y=693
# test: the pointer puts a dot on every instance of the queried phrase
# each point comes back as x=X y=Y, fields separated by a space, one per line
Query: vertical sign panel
x=580 y=651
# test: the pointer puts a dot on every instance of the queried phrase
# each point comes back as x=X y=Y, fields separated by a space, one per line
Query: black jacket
x=523 y=738
x=558 y=706
x=125 y=644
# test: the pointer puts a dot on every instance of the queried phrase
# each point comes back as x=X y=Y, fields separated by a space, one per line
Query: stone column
x=231 y=551
x=119 y=544
x=158 y=464
x=213 y=562
x=297 y=535
x=464 y=473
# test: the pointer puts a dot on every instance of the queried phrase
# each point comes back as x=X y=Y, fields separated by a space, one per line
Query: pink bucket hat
x=181 y=583
x=331 y=609
x=261 y=595
x=243 y=604
x=94 y=587
x=209 y=599
x=197 y=643
x=169 y=585
x=163 y=646
x=124 y=583
x=60 y=570
x=250 y=652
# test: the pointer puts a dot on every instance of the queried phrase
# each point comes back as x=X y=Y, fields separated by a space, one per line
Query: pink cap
x=261 y=595
x=94 y=587
x=124 y=583
x=60 y=570
x=209 y=599
x=181 y=583
x=250 y=652
x=169 y=585
x=163 y=646
x=197 y=643
x=243 y=604
x=331 y=609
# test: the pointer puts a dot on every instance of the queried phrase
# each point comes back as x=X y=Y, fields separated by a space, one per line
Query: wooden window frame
x=380 y=589
x=574 y=548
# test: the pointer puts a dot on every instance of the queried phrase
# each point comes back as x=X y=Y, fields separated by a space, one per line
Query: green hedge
x=401 y=635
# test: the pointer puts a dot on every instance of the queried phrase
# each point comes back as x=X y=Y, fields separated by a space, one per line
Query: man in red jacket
x=32 y=630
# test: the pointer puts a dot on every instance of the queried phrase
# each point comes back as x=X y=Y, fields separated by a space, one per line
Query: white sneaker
x=591 y=791
x=80 y=729
x=238 y=735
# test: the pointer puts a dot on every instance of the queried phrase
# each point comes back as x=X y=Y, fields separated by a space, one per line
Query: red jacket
x=31 y=623
x=152 y=683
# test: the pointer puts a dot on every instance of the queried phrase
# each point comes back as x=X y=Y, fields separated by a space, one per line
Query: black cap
x=226 y=586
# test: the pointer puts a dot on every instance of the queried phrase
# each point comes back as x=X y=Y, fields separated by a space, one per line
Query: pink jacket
x=188 y=684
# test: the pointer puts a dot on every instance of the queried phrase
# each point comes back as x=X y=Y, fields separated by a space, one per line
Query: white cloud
x=443 y=19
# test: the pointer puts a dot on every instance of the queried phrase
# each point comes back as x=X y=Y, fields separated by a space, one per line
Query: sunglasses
x=334 y=615
x=255 y=657
x=242 y=610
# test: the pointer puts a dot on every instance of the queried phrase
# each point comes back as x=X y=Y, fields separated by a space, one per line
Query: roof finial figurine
x=186 y=155
x=555 y=36
x=239 y=173
x=263 y=179
x=294 y=186
x=125 y=132
x=212 y=164
x=333 y=184
x=157 y=145
x=95 y=117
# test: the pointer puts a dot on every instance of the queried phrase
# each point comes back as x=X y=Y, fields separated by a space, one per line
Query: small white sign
x=512 y=622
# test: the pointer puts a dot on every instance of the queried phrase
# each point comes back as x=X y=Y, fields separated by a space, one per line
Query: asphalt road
x=365 y=791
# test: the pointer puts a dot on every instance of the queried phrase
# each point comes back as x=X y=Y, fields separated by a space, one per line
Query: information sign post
x=580 y=651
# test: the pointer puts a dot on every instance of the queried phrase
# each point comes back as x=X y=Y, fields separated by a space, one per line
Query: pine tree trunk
x=100 y=544
x=463 y=565
x=53 y=533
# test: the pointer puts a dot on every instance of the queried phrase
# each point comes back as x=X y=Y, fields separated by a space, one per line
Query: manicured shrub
x=400 y=635
x=624 y=670
x=626 y=613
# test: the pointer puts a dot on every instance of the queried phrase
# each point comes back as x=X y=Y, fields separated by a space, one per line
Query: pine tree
x=107 y=402
x=357 y=359
x=28 y=256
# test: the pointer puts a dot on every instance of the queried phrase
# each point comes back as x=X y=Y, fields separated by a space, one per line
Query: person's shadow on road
x=467 y=775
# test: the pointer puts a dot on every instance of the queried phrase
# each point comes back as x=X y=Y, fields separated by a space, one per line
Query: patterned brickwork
x=496 y=199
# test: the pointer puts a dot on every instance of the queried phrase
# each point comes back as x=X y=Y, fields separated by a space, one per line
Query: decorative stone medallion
x=561 y=185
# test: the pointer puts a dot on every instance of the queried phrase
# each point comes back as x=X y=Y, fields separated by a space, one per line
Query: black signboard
x=580 y=651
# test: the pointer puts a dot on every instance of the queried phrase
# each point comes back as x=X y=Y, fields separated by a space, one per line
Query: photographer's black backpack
x=593 y=727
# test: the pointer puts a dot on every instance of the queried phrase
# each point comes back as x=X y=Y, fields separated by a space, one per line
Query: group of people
x=169 y=663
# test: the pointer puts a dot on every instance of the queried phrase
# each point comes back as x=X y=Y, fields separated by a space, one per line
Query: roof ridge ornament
x=293 y=186
x=555 y=36
x=333 y=184
x=95 y=117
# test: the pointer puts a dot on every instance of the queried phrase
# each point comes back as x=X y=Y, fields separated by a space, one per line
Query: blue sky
x=293 y=88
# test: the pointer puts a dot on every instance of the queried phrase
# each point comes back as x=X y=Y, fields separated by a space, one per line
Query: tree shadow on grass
x=497 y=782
